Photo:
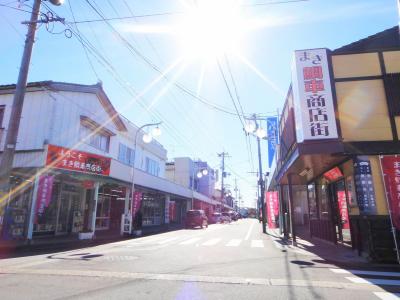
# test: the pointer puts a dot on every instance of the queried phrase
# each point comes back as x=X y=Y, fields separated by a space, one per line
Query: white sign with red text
x=312 y=96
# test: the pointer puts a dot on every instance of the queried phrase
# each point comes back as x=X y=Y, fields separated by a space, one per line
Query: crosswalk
x=197 y=241
x=379 y=278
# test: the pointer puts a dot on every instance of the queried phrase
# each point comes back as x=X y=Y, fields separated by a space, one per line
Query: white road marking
x=257 y=244
x=373 y=281
x=249 y=231
x=387 y=296
x=169 y=240
x=233 y=243
x=362 y=272
x=211 y=242
x=190 y=241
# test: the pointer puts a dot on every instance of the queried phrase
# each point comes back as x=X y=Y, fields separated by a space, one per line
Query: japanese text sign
x=272 y=133
x=136 y=202
x=44 y=192
x=333 y=174
x=391 y=174
x=74 y=160
x=272 y=204
x=343 y=212
x=312 y=95
x=365 y=191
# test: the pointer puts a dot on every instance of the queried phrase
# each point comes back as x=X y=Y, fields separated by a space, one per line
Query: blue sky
x=191 y=128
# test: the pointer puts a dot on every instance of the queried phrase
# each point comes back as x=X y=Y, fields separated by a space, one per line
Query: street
x=223 y=261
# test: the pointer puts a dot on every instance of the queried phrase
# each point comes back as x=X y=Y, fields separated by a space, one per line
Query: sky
x=210 y=53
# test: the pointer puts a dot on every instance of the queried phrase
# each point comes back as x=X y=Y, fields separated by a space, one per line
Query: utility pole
x=222 y=155
x=236 y=195
x=16 y=110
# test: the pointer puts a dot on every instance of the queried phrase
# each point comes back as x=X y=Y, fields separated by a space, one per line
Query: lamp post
x=200 y=173
x=260 y=133
x=147 y=138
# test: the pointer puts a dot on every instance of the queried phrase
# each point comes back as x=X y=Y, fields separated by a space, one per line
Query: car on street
x=196 y=218
x=216 y=218
x=226 y=217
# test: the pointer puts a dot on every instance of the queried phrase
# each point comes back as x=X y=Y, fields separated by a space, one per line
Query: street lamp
x=253 y=128
x=147 y=138
x=200 y=173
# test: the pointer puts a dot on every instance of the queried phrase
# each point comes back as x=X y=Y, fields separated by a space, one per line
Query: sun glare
x=210 y=29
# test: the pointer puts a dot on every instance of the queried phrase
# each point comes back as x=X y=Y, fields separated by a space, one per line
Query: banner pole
x=389 y=209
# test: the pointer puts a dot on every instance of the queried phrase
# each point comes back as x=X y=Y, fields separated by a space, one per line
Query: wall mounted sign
x=312 y=95
x=333 y=174
x=74 y=160
x=365 y=191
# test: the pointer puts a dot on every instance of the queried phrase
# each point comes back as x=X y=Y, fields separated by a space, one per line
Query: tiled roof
x=385 y=40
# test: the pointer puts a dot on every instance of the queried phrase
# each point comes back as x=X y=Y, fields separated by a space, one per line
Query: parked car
x=196 y=217
x=226 y=217
x=216 y=218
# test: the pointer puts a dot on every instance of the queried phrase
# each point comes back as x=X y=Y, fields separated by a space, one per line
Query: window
x=95 y=139
x=312 y=201
x=2 y=109
x=126 y=155
x=323 y=201
x=152 y=167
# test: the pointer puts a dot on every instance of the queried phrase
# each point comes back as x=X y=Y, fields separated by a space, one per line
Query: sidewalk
x=54 y=243
x=330 y=253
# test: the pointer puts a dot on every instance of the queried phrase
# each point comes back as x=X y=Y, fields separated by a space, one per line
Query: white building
x=74 y=158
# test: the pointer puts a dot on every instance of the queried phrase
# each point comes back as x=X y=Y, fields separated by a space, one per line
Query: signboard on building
x=365 y=191
x=44 y=193
x=272 y=206
x=74 y=160
x=391 y=174
x=333 y=174
x=272 y=133
x=312 y=96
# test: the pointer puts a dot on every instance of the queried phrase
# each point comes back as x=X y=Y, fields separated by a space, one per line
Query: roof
x=73 y=87
x=388 y=39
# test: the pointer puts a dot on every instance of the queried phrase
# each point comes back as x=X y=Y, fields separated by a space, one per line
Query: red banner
x=344 y=214
x=74 y=160
x=45 y=189
x=172 y=211
x=136 y=201
x=272 y=204
x=391 y=174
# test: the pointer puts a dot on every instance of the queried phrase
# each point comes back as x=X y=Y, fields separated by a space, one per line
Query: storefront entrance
x=70 y=213
x=340 y=209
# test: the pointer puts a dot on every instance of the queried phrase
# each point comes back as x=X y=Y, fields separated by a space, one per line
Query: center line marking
x=249 y=231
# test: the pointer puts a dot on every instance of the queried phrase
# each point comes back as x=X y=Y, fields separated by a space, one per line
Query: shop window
x=324 y=211
x=94 y=138
x=312 y=201
x=103 y=209
x=152 y=209
x=152 y=167
x=126 y=155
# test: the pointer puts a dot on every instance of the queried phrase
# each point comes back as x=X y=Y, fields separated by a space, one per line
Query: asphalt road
x=224 y=261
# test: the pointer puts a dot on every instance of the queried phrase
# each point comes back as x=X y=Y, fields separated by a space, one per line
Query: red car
x=196 y=217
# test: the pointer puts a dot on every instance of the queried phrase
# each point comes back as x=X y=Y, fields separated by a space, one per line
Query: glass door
x=63 y=214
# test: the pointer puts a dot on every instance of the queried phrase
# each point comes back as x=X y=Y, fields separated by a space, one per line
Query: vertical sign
x=365 y=191
x=45 y=189
x=312 y=96
x=272 y=208
x=391 y=173
x=272 y=133
x=343 y=212
x=136 y=201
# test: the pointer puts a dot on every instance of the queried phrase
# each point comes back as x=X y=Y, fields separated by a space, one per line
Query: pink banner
x=391 y=175
x=136 y=201
x=272 y=204
x=344 y=215
x=45 y=189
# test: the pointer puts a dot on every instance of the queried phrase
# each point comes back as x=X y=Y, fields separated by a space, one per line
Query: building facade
x=73 y=166
x=337 y=167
